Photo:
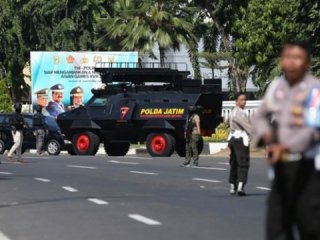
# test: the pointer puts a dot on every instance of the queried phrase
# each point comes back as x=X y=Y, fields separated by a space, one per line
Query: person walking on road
x=39 y=129
x=193 y=136
x=294 y=202
x=17 y=125
x=240 y=130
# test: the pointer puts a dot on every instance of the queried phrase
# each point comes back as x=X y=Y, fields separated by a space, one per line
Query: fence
x=227 y=107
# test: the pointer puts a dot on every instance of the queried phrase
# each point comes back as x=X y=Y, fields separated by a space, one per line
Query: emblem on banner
x=97 y=59
x=84 y=60
x=70 y=59
x=56 y=60
x=111 y=59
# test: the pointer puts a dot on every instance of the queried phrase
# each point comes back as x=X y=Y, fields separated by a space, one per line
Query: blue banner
x=63 y=80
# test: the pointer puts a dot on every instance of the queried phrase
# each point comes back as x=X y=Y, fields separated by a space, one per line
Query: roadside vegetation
x=241 y=37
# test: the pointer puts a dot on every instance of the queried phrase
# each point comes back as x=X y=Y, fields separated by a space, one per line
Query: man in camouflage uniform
x=193 y=136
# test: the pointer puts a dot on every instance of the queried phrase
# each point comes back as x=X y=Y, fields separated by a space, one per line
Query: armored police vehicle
x=141 y=103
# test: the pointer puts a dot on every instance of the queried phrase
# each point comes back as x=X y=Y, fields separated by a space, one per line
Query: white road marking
x=69 y=189
x=144 y=219
x=129 y=163
x=145 y=173
x=6 y=173
x=42 y=180
x=145 y=158
x=3 y=237
x=206 y=180
x=97 y=201
x=78 y=166
x=224 y=163
x=264 y=188
x=212 y=168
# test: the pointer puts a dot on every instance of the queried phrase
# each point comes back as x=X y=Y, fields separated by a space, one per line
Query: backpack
x=38 y=120
x=17 y=121
x=190 y=124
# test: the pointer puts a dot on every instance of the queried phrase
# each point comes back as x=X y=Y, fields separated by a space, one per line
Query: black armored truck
x=141 y=104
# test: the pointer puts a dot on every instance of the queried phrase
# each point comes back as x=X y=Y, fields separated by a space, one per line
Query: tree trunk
x=236 y=80
x=162 y=57
x=192 y=51
x=66 y=14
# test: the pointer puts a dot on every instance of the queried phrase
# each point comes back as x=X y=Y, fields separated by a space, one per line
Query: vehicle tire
x=2 y=146
x=70 y=150
x=200 y=145
x=53 y=147
x=181 y=147
x=85 y=143
x=116 y=148
x=160 y=144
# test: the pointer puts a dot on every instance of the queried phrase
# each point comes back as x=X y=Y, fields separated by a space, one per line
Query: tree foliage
x=33 y=25
x=306 y=18
x=264 y=26
x=5 y=100
x=139 y=25
x=247 y=35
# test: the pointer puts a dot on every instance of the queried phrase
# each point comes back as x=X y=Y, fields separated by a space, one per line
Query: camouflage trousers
x=192 y=148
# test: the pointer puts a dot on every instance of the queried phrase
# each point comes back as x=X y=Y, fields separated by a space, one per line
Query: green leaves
x=263 y=27
x=5 y=101
x=140 y=25
x=44 y=25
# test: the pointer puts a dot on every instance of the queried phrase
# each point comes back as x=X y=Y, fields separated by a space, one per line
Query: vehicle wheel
x=86 y=143
x=2 y=146
x=53 y=147
x=70 y=150
x=181 y=147
x=160 y=144
x=200 y=145
x=116 y=148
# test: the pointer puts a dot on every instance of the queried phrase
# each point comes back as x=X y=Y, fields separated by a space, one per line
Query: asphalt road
x=137 y=198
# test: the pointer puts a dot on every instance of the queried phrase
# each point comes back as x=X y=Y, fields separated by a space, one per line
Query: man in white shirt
x=240 y=130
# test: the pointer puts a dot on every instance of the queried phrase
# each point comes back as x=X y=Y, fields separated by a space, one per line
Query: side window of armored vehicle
x=99 y=102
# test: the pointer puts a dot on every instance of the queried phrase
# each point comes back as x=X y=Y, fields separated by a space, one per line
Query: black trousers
x=239 y=161
x=294 y=202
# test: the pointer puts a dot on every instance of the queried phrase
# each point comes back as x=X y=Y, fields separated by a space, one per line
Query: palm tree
x=140 y=25
x=212 y=60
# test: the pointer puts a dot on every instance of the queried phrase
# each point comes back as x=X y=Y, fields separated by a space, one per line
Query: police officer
x=42 y=100
x=76 y=98
x=17 y=125
x=55 y=107
x=39 y=129
x=294 y=201
x=193 y=136
x=240 y=130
